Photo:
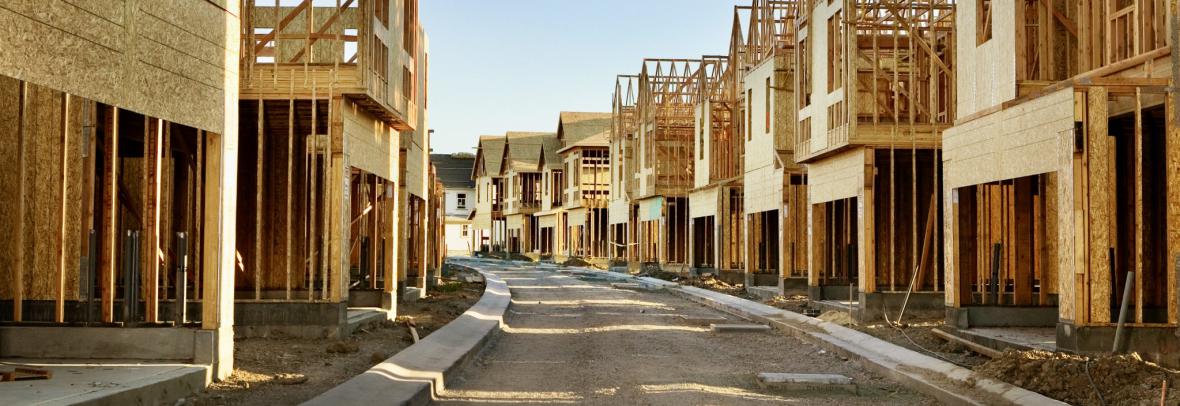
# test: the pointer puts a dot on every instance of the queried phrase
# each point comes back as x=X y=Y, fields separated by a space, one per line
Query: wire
x=1101 y=400
x=907 y=337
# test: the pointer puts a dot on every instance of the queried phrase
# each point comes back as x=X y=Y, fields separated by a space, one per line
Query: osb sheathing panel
x=372 y=145
x=1100 y=151
x=162 y=59
x=1009 y=144
x=1069 y=226
x=702 y=203
x=985 y=73
x=763 y=189
x=45 y=243
x=836 y=177
x=9 y=181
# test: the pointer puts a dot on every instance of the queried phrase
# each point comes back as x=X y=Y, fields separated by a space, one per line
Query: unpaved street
x=574 y=339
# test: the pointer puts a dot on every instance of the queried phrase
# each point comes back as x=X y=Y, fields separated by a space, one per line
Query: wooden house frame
x=622 y=212
x=334 y=186
x=522 y=187
x=715 y=205
x=1062 y=173
x=665 y=120
x=119 y=183
x=874 y=91
x=774 y=199
x=584 y=157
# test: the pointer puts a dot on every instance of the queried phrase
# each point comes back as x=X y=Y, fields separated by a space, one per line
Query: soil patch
x=1121 y=379
x=917 y=336
x=795 y=303
x=288 y=371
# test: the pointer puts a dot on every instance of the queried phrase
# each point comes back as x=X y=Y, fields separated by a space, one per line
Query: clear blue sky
x=500 y=65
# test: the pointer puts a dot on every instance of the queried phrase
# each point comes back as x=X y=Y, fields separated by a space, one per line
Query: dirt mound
x=576 y=262
x=1121 y=379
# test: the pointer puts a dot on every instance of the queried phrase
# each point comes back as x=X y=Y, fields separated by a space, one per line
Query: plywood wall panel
x=172 y=60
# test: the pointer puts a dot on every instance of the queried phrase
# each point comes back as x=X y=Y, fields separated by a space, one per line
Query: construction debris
x=739 y=328
x=794 y=381
x=25 y=374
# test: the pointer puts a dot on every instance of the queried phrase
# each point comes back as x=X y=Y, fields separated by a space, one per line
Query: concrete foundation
x=1156 y=344
x=1001 y=316
x=794 y=286
x=290 y=319
x=871 y=307
x=156 y=343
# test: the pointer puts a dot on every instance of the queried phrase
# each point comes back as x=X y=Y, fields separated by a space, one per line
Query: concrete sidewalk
x=105 y=383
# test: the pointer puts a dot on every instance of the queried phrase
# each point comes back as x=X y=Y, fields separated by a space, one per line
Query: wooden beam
x=1065 y=21
x=290 y=185
x=18 y=291
x=59 y=308
x=150 y=257
x=270 y=36
x=1101 y=184
x=320 y=33
x=110 y=213
x=258 y=212
x=212 y=273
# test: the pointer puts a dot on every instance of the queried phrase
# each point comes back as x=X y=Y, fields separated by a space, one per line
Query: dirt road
x=578 y=340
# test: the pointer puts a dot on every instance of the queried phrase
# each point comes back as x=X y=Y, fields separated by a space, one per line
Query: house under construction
x=118 y=181
x=582 y=187
x=664 y=128
x=775 y=195
x=1062 y=173
x=330 y=113
x=874 y=90
x=488 y=217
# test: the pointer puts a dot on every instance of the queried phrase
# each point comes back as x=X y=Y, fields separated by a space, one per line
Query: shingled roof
x=582 y=129
x=490 y=154
x=454 y=170
x=524 y=149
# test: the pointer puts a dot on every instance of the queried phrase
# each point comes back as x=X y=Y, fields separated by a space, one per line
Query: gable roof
x=490 y=155
x=454 y=170
x=573 y=127
x=522 y=151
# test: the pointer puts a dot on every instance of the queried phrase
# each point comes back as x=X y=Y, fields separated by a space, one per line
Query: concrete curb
x=947 y=382
x=414 y=375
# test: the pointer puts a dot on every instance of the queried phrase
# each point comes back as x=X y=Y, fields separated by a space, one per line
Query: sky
x=501 y=65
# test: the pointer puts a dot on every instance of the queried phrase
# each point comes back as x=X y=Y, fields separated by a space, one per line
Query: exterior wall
x=985 y=74
x=817 y=111
x=760 y=148
x=840 y=176
x=172 y=60
x=702 y=203
x=702 y=147
x=458 y=244
x=483 y=205
x=1009 y=144
x=452 y=202
x=370 y=144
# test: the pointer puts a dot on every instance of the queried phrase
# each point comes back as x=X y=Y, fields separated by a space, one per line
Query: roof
x=454 y=170
x=573 y=126
x=490 y=154
x=552 y=160
x=523 y=150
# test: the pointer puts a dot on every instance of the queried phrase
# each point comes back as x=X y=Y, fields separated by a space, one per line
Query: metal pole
x=91 y=260
x=997 y=250
x=180 y=311
x=1119 y=332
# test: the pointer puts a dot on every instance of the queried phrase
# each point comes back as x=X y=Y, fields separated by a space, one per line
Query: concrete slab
x=764 y=292
x=627 y=286
x=360 y=316
x=107 y=383
x=792 y=381
x=739 y=328
x=702 y=320
x=1021 y=338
